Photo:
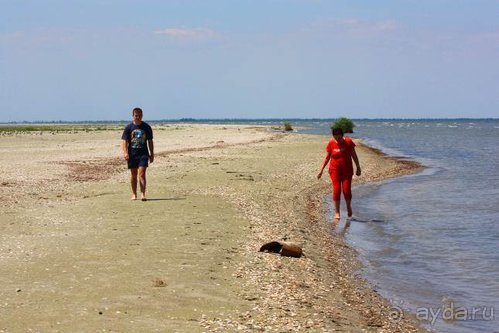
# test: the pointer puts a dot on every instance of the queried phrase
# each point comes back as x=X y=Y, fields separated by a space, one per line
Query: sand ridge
x=86 y=259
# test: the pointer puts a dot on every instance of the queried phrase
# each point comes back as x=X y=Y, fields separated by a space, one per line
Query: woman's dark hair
x=337 y=131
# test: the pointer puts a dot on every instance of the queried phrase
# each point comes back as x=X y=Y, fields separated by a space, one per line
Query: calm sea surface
x=430 y=241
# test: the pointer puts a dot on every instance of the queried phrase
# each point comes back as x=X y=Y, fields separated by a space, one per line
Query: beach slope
x=77 y=255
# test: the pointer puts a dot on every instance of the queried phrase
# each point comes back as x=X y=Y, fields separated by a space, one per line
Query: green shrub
x=345 y=124
x=288 y=127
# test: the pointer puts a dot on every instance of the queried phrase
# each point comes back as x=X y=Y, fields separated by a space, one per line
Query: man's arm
x=151 y=150
x=124 y=147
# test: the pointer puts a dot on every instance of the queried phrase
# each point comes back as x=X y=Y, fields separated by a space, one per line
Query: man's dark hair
x=136 y=110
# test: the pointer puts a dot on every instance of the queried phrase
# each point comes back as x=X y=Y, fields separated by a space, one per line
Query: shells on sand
x=157 y=282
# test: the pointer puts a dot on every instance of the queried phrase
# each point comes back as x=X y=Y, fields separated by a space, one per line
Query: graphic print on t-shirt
x=138 y=139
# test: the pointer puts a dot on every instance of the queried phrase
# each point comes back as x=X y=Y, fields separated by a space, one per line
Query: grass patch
x=8 y=129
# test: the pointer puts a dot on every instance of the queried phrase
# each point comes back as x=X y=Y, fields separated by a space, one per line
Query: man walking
x=138 y=151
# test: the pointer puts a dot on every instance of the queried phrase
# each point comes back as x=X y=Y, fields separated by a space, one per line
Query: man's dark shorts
x=135 y=162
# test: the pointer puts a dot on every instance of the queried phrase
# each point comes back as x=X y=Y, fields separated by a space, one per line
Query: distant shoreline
x=225 y=120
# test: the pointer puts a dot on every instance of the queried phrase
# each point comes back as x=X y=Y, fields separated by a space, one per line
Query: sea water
x=430 y=241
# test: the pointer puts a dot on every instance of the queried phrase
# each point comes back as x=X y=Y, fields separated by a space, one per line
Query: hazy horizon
x=187 y=120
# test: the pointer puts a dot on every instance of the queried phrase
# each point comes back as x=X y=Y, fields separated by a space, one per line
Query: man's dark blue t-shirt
x=137 y=137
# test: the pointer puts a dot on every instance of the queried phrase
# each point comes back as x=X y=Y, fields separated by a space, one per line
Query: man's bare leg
x=142 y=182
x=133 y=182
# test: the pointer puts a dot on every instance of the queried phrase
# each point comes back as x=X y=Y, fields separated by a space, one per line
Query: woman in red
x=341 y=151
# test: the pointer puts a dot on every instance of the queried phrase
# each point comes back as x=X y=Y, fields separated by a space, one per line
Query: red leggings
x=341 y=181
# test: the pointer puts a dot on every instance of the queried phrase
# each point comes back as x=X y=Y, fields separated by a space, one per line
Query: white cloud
x=357 y=25
x=187 y=33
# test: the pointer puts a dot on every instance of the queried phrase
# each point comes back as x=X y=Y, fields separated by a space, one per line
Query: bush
x=345 y=124
x=288 y=127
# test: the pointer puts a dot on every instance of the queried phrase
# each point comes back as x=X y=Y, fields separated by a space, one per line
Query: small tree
x=345 y=124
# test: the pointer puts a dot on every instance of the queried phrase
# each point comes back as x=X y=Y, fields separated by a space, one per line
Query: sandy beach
x=78 y=256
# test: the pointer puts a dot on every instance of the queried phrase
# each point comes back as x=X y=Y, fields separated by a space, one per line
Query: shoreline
x=221 y=201
x=345 y=300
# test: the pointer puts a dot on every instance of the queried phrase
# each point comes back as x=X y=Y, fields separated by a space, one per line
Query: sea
x=429 y=242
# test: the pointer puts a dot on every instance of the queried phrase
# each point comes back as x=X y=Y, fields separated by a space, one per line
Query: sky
x=72 y=60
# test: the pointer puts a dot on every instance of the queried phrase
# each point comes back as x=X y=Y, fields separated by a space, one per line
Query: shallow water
x=429 y=241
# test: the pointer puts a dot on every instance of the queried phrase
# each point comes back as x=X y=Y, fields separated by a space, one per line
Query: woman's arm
x=326 y=161
x=356 y=160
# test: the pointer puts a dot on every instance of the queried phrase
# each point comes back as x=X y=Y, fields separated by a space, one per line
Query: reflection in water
x=366 y=220
x=340 y=231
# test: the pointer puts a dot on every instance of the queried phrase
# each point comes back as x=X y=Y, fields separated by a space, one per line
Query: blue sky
x=97 y=59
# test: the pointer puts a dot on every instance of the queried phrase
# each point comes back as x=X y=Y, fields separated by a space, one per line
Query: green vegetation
x=12 y=129
x=345 y=124
x=51 y=128
x=288 y=127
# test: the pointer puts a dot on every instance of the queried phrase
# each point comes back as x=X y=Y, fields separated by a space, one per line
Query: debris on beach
x=157 y=282
x=286 y=249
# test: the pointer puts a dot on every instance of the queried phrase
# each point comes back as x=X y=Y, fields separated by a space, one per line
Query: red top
x=341 y=155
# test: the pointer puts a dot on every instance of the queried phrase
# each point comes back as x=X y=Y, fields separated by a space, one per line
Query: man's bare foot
x=337 y=216
x=134 y=197
x=143 y=197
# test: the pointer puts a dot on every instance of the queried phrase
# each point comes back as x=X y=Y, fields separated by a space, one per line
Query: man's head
x=137 y=115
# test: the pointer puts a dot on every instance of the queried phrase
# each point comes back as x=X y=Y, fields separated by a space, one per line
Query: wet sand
x=78 y=256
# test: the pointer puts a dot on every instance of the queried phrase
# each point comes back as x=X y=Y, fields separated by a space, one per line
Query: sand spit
x=78 y=256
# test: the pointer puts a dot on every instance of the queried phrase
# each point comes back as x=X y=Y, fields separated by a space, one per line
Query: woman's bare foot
x=337 y=216
x=143 y=197
x=134 y=197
